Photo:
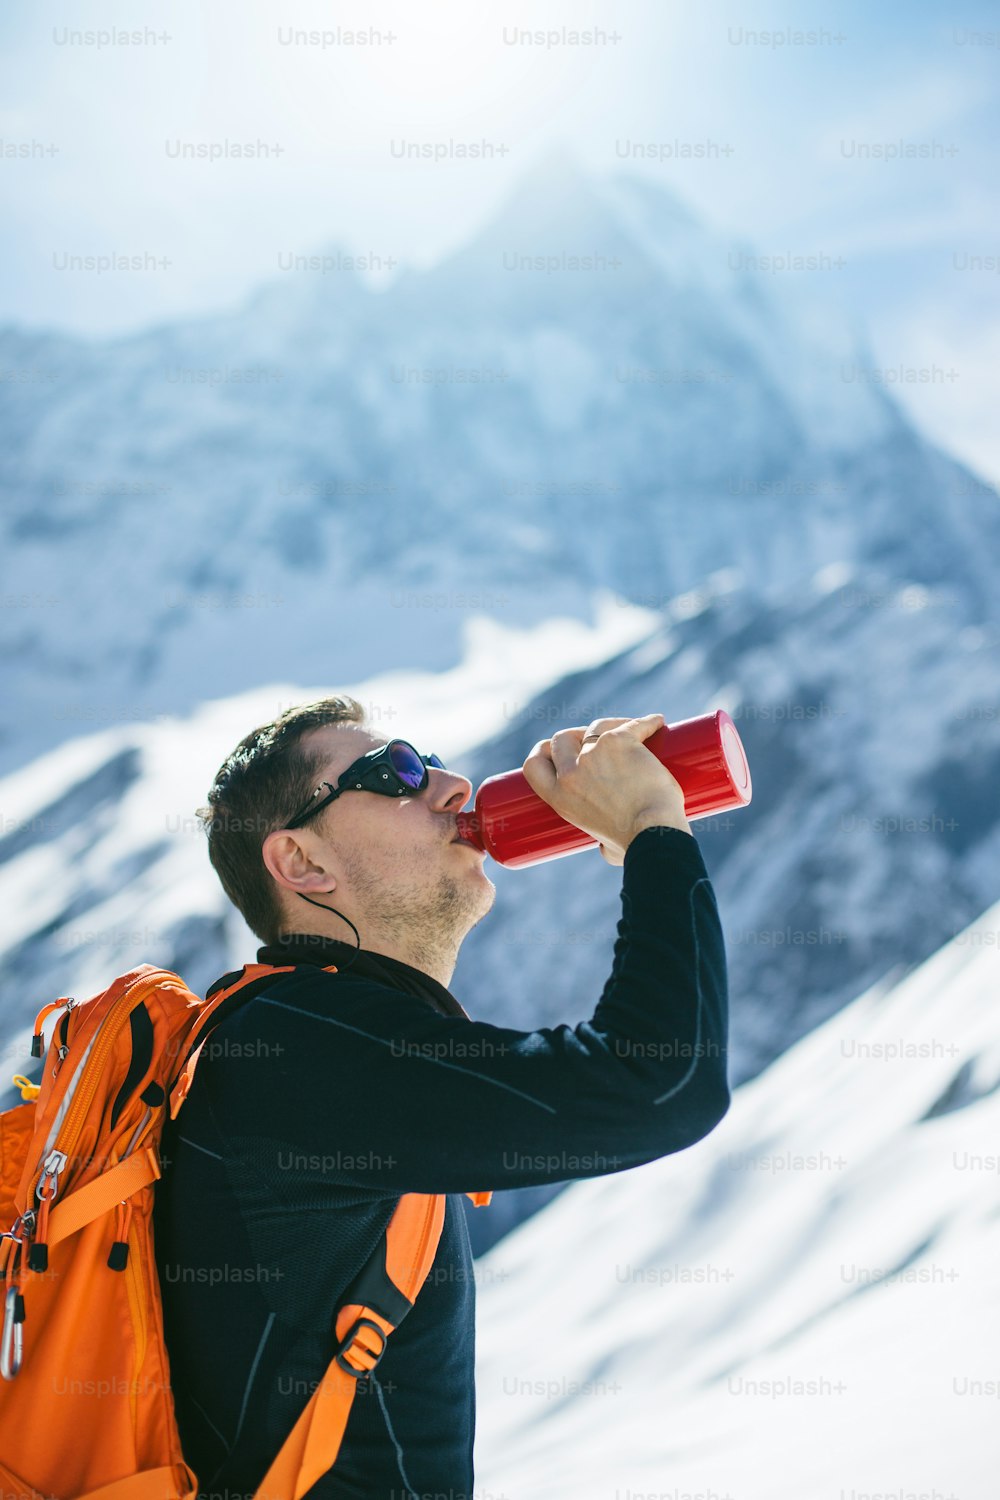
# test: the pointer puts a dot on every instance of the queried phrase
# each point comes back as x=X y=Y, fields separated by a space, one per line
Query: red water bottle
x=517 y=827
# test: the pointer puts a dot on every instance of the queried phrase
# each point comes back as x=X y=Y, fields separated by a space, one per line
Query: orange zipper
x=105 y=1039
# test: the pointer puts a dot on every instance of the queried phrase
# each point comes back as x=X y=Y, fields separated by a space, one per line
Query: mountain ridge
x=258 y=482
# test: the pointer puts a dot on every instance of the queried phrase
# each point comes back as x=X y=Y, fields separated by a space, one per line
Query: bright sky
x=794 y=94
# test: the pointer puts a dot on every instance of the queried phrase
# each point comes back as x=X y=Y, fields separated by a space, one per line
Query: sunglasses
x=393 y=770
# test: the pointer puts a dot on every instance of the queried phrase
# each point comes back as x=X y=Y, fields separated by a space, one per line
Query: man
x=326 y=1096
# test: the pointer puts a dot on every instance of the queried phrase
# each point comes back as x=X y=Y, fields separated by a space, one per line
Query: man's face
x=392 y=862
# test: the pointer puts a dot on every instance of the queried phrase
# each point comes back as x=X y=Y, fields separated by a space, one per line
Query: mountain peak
x=554 y=195
x=559 y=207
x=554 y=165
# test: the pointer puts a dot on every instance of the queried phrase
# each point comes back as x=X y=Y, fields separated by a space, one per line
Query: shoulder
x=308 y=999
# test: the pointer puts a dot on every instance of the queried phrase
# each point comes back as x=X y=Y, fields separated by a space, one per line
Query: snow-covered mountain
x=331 y=478
x=803 y=1306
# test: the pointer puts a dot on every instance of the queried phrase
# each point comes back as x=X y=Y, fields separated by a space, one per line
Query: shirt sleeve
x=356 y=1084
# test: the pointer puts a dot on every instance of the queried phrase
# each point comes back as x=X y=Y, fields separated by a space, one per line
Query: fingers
x=557 y=756
x=640 y=728
x=598 y=726
x=563 y=748
x=566 y=745
x=538 y=769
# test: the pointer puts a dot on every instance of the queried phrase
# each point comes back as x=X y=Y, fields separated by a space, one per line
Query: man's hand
x=611 y=787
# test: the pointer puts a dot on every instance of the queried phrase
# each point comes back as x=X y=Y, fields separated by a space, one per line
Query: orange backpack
x=86 y=1410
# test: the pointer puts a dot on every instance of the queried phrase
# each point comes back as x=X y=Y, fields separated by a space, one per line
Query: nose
x=447 y=791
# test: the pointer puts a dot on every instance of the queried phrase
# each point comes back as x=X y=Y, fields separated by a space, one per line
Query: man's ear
x=288 y=860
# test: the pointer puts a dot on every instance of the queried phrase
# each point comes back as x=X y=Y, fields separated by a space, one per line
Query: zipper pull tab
x=38 y=1255
x=51 y=1167
x=37 y=1040
x=118 y=1254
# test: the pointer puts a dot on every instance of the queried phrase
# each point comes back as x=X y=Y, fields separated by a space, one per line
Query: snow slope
x=804 y=1306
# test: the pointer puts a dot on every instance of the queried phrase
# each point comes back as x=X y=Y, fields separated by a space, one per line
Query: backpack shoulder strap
x=251 y=978
x=375 y=1303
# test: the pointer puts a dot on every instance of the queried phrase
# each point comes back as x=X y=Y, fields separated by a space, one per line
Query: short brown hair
x=259 y=786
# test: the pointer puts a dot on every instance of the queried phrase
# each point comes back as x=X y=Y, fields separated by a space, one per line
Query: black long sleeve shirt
x=326 y=1096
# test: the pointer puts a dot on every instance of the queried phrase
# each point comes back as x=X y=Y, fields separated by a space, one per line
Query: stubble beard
x=425 y=911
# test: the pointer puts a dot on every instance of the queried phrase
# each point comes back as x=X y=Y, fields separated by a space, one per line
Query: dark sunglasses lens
x=436 y=761
x=407 y=764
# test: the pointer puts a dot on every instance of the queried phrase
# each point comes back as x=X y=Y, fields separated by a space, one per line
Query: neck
x=439 y=963
x=432 y=953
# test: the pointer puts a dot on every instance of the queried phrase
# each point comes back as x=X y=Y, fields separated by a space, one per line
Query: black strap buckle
x=348 y=1339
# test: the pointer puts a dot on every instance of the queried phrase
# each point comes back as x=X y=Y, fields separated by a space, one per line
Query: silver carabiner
x=12 y=1337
